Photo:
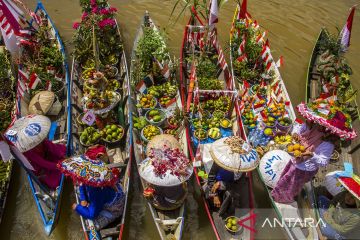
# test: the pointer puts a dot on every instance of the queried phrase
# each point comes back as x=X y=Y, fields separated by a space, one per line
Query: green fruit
x=109 y=138
x=156 y=118
x=108 y=132
x=114 y=135
x=153 y=113
x=229 y=225
x=233 y=222
x=234 y=228
x=113 y=127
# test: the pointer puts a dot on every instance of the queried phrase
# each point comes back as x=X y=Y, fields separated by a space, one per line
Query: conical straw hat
x=45 y=103
x=159 y=141
x=231 y=159
x=28 y=132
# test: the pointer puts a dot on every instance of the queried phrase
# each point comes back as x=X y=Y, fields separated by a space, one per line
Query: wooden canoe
x=299 y=209
x=120 y=154
x=190 y=48
x=169 y=223
x=349 y=151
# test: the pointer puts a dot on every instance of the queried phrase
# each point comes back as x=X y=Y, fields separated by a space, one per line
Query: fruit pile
x=139 y=122
x=214 y=133
x=166 y=89
x=269 y=122
x=268 y=132
x=165 y=100
x=89 y=136
x=232 y=224
x=113 y=85
x=284 y=121
x=88 y=73
x=214 y=122
x=223 y=103
x=249 y=119
x=283 y=139
x=147 y=101
x=277 y=110
x=297 y=149
x=155 y=115
x=171 y=132
x=200 y=123
x=110 y=71
x=225 y=123
x=151 y=131
x=200 y=134
x=112 y=133
x=173 y=123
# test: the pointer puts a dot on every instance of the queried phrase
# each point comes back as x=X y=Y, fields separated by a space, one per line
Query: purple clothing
x=44 y=159
x=290 y=183
x=295 y=175
x=312 y=139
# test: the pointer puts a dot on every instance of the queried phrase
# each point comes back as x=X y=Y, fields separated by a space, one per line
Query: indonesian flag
x=326 y=87
x=246 y=87
x=141 y=86
x=21 y=87
x=265 y=53
x=34 y=81
x=165 y=70
x=280 y=62
x=260 y=38
x=242 y=58
x=214 y=12
x=276 y=89
x=255 y=25
x=258 y=107
x=345 y=33
x=243 y=14
x=269 y=65
x=241 y=49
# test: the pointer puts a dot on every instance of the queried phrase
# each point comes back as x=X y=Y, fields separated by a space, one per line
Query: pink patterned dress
x=44 y=158
x=295 y=175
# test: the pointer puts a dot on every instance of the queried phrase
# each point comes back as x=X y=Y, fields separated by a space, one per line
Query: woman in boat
x=29 y=135
x=221 y=189
x=319 y=136
x=104 y=204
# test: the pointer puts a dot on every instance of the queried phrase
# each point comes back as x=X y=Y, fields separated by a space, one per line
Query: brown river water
x=293 y=28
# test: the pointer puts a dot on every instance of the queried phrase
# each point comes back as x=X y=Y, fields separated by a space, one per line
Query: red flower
x=84 y=15
x=94 y=10
x=76 y=25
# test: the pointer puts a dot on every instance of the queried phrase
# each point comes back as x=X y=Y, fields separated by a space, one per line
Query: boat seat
x=109 y=232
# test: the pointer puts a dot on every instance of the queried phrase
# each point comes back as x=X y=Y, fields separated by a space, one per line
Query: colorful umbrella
x=89 y=172
x=352 y=184
x=28 y=132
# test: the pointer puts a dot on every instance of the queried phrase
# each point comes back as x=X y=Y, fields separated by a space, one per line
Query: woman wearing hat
x=101 y=198
x=29 y=135
x=325 y=123
x=342 y=214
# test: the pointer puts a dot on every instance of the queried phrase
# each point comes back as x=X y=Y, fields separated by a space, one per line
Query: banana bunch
x=283 y=139
x=4 y=171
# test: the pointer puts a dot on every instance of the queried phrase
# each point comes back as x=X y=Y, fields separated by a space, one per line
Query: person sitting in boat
x=166 y=198
x=319 y=136
x=341 y=215
x=101 y=196
x=29 y=134
x=220 y=189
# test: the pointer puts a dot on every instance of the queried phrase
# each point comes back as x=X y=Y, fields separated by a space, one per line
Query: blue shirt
x=224 y=175
x=97 y=197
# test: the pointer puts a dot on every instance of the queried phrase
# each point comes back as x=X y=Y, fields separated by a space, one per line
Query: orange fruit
x=290 y=148
x=297 y=153
x=302 y=148
x=296 y=146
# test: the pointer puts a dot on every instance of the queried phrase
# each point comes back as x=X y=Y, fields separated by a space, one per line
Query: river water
x=293 y=28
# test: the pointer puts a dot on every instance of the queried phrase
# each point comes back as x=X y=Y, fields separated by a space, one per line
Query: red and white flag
x=241 y=48
x=165 y=70
x=345 y=33
x=255 y=25
x=260 y=38
x=21 y=87
x=243 y=14
x=33 y=81
x=141 y=86
x=214 y=12
x=280 y=62
x=265 y=53
x=242 y=58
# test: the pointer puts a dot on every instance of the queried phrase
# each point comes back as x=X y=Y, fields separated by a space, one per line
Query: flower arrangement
x=98 y=19
x=167 y=159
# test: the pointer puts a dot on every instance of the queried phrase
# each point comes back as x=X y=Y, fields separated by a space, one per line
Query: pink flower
x=104 y=11
x=76 y=25
x=106 y=22
x=93 y=3
x=85 y=14
x=94 y=10
x=112 y=9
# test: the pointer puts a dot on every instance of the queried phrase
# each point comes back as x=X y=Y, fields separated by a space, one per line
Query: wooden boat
x=119 y=151
x=196 y=35
x=349 y=150
x=169 y=223
x=59 y=131
x=275 y=92
x=8 y=112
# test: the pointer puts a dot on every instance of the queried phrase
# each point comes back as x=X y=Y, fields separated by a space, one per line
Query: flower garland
x=167 y=159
